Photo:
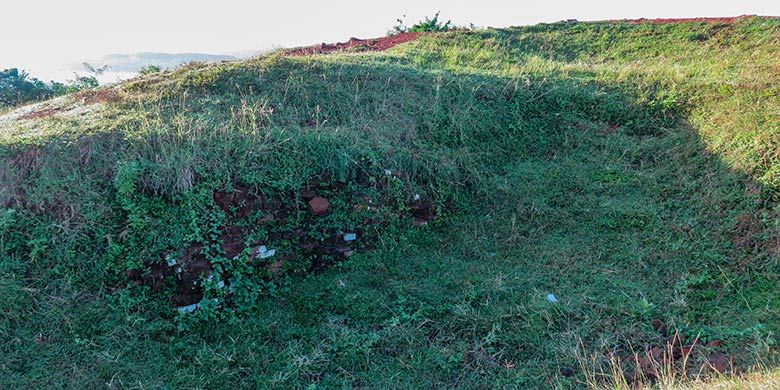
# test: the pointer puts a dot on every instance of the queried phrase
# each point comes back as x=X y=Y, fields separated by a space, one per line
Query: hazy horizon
x=67 y=35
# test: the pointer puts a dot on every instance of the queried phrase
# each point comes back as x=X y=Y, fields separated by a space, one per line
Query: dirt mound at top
x=726 y=20
x=356 y=44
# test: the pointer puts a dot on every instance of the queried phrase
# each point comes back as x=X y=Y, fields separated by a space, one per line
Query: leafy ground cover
x=570 y=205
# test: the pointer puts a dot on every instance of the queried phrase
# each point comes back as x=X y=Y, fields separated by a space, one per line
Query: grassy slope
x=631 y=170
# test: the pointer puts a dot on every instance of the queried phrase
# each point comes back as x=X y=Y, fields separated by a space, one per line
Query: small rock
x=714 y=343
x=318 y=205
x=719 y=362
x=659 y=326
x=656 y=353
x=686 y=350
x=346 y=251
x=647 y=366
x=419 y=222
x=653 y=359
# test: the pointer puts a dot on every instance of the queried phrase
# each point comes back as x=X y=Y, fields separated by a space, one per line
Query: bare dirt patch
x=672 y=353
x=355 y=44
x=46 y=112
x=109 y=95
x=85 y=97
x=316 y=248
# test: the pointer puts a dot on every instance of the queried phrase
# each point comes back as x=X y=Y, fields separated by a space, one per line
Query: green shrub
x=427 y=25
x=150 y=69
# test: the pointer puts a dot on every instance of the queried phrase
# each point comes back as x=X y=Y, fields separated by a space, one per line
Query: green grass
x=631 y=170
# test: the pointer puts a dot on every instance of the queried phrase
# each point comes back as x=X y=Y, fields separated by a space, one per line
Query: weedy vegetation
x=561 y=205
x=423 y=26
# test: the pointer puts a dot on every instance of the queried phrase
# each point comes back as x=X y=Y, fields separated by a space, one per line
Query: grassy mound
x=524 y=207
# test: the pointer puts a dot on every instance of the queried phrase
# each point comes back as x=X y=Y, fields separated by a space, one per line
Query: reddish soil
x=355 y=44
x=318 y=206
x=46 y=112
x=243 y=202
x=110 y=95
x=746 y=232
x=672 y=349
x=86 y=97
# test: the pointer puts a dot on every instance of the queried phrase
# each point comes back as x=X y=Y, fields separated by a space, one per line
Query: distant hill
x=135 y=61
x=125 y=65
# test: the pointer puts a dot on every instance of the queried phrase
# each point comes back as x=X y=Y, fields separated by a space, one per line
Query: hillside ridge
x=575 y=204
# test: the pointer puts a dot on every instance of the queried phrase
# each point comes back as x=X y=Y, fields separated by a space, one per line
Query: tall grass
x=631 y=170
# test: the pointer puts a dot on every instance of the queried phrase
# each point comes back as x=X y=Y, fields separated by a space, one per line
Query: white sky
x=41 y=36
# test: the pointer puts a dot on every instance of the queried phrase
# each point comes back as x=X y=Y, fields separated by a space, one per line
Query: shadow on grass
x=594 y=193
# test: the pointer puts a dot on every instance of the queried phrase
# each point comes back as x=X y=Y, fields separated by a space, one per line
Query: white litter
x=220 y=284
x=551 y=298
x=350 y=237
x=388 y=172
x=264 y=252
x=170 y=260
x=188 y=308
x=416 y=196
